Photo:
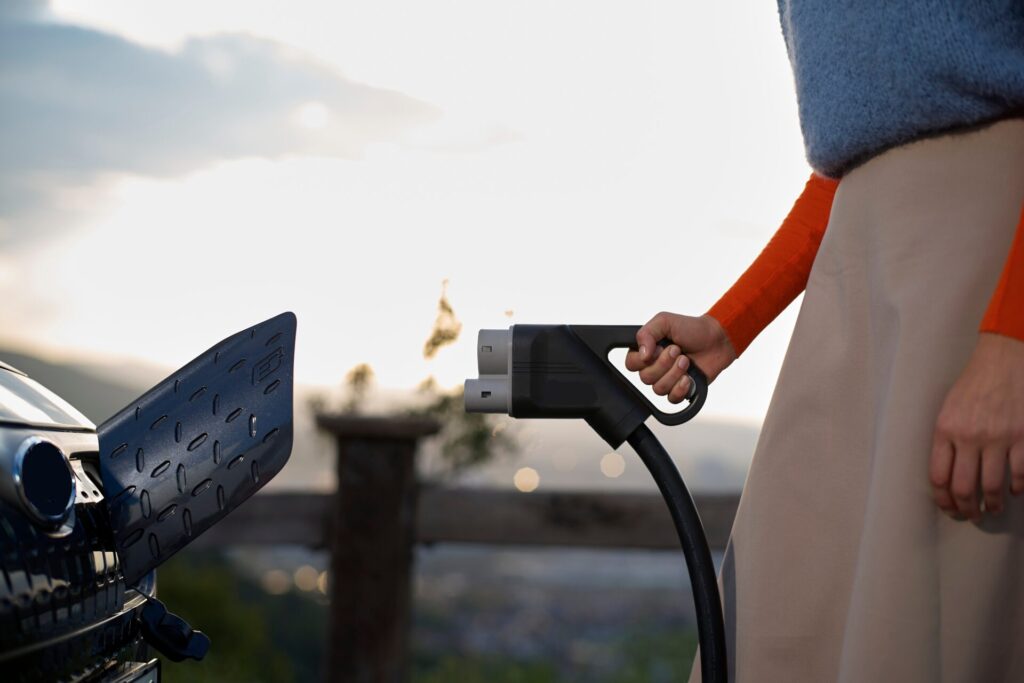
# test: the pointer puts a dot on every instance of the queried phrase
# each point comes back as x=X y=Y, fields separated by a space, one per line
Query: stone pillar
x=372 y=541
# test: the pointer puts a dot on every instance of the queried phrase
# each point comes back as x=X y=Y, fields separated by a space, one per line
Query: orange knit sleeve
x=780 y=272
x=1005 y=313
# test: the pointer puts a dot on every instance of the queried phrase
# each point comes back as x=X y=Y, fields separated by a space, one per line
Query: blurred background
x=400 y=175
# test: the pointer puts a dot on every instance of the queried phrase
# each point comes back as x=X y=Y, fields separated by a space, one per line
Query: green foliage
x=281 y=638
x=256 y=637
x=483 y=670
x=467 y=439
x=642 y=656
x=653 y=657
x=357 y=382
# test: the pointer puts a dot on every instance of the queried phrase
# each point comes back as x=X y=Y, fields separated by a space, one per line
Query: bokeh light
x=526 y=479
x=306 y=578
x=276 y=582
x=612 y=465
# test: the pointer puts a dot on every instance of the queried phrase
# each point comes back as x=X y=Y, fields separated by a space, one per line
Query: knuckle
x=939 y=478
x=967 y=434
x=992 y=488
x=961 y=491
x=982 y=434
x=958 y=430
x=946 y=425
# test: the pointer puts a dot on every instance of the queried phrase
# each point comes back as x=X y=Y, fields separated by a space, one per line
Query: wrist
x=1001 y=348
x=720 y=352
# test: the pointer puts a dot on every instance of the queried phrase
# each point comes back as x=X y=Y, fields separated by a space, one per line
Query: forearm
x=1005 y=313
x=780 y=272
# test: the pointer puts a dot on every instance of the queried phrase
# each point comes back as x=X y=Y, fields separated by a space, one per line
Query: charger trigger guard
x=697 y=396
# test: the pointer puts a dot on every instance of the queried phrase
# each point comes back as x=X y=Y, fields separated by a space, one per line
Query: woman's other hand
x=980 y=431
x=701 y=339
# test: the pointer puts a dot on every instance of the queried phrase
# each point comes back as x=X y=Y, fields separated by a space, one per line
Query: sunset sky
x=174 y=171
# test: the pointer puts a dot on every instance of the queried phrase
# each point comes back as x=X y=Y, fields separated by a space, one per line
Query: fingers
x=957 y=471
x=672 y=376
x=682 y=388
x=964 y=486
x=1017 y=469
x=634 y=362
x=993 y=475
x=666 y=373
x=940 y=473
x=661 y=365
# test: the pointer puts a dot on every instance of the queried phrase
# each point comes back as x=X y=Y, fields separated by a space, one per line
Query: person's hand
x=980 y=430
x=702 y=340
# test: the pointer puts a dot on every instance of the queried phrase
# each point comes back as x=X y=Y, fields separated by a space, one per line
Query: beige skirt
x=840 y=567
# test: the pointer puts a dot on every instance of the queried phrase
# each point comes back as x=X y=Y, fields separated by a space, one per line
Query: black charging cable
x=710 y=625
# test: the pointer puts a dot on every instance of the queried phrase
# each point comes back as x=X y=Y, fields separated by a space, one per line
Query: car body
x=65 y=611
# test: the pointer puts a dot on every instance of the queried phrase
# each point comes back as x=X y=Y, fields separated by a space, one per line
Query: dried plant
x=446 y=327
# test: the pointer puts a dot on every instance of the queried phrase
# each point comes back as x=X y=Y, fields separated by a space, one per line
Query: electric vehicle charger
x=563 y=372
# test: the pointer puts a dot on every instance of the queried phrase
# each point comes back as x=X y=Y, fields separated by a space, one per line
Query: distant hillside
x=97 y=396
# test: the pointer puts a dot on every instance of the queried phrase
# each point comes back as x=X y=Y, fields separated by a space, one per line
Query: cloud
x=76 y=104
x=22 y=9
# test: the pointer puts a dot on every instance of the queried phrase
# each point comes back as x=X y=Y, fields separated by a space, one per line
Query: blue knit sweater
x=873 y=74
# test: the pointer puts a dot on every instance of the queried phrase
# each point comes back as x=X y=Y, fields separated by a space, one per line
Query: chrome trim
x=11 y=368
x=146 y=586
x=131 y=604
x=48 y=521
x=46 y=426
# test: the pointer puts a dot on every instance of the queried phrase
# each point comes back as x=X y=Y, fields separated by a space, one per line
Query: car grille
x=64 y=609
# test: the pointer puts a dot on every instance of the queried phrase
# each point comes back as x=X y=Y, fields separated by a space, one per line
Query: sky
x=176 y=171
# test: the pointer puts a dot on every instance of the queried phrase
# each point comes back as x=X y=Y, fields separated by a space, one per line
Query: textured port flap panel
x=198 y=444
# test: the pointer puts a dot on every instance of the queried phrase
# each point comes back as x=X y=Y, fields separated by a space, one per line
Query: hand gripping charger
x=563 y=372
